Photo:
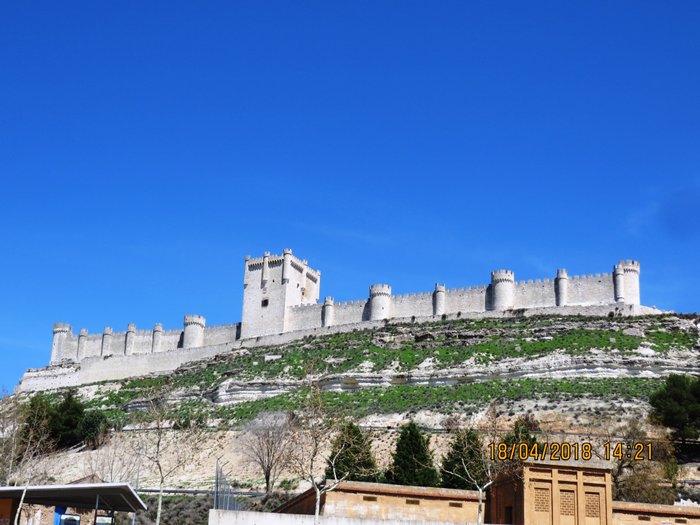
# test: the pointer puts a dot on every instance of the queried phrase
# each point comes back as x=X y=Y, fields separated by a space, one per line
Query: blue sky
x=147 y=147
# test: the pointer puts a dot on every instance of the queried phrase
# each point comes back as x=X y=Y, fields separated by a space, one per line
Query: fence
x=224 y=493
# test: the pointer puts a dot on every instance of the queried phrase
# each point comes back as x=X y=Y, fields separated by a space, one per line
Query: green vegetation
x=404 y=398
x=351 y=456
x=413 y=461
x=677 y=405
x=64 y=422
x=402 y=348
x=463 y=465
x=663 y=341
x=446 y=399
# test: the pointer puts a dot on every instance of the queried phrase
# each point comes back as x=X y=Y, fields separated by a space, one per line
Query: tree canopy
x=352 y=456
x=677 y=406
x=464 y=462
x=412 y=461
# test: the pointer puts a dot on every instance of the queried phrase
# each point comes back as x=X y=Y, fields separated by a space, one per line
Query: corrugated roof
x=112 y=496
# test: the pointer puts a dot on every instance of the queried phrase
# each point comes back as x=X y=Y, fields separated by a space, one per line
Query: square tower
x=271 y=285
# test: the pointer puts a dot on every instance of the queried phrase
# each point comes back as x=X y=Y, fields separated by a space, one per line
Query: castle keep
x=281 y=303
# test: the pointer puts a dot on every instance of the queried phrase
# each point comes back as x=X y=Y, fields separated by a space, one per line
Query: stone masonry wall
x=94 y=369
x=281 y=300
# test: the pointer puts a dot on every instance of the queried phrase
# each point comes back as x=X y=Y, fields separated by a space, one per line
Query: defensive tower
x=328 y=313
x=130 y=341
x=271 y=285
x=193 y=335
x=630 y=270
x=502 y=290
x=439 y=299
x=379 y=302
x=106 y=347
x=61 y=331
x=561 y=287
x=82 y=337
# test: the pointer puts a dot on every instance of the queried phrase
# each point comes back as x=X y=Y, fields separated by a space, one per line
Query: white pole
x=97 y=506
x=19 y=508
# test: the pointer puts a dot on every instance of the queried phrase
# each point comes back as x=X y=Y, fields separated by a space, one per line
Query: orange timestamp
x=556 y=451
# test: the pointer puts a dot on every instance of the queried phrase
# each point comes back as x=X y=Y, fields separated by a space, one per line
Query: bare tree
x=24 y=440
x=112 y=463
x=313 y=433
x=165 y=449
x=472 y=461
x=634 y=480
x=267 y=444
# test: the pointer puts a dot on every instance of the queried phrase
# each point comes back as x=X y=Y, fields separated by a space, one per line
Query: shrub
x=413 y=461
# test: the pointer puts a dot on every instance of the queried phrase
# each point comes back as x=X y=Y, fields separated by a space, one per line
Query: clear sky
x=147 y=147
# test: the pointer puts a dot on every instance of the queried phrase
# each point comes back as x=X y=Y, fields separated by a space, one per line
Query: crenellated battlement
x=591 y=276
x=379 y=289
x=499 y=276
x=61 y=328
x=351 y=304
x=628 y=265
x=281 y=296
x=194 y=320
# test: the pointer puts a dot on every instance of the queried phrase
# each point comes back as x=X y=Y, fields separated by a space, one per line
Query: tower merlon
x=379 y=289
x=191 y=319
x=61 y=328
x=502 y=275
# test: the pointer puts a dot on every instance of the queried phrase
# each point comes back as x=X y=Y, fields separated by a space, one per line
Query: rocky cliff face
x=571 y=365
x=577 y=376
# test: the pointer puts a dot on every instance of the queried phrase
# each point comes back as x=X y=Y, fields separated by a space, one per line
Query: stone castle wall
x=118 y=367
x=280 y=299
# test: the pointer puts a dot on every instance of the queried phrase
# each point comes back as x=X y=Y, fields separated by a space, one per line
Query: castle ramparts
x=281 y=303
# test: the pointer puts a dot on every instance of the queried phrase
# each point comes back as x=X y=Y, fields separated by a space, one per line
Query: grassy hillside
x=479 y=359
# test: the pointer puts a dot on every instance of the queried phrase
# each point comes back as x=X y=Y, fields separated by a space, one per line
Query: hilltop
x=573 y=365
x=575 y=375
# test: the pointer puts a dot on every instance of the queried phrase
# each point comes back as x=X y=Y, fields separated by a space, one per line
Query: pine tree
x=464 y=462
x=352 y=456
x=66 y=420
x=522 y=432
x=413 y=461
x=677 y=406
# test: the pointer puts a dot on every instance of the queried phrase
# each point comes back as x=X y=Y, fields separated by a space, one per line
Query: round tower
x=379 y=302
x=82 y=336
x=619 y=282
x=502 y=290
x=61 y=331
x=157 y=337
x=439 y=299
x=106 y=341
x=328 y=313
x=194 y=331
x=130 y=339
x=631 y=272
x=561 y=287
x=286 y=265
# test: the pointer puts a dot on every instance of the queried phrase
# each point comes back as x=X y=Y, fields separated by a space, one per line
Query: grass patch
x=447 y=398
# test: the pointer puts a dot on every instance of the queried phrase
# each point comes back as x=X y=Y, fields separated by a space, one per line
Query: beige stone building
x=380 y=501
x=554 y=493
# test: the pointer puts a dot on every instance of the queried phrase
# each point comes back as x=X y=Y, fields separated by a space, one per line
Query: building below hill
x=543 y=493
x=281 y=304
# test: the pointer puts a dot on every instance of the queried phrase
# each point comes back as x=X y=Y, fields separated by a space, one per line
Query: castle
x=281 y=303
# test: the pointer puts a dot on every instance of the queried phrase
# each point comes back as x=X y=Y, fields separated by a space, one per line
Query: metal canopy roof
x=119 y=497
